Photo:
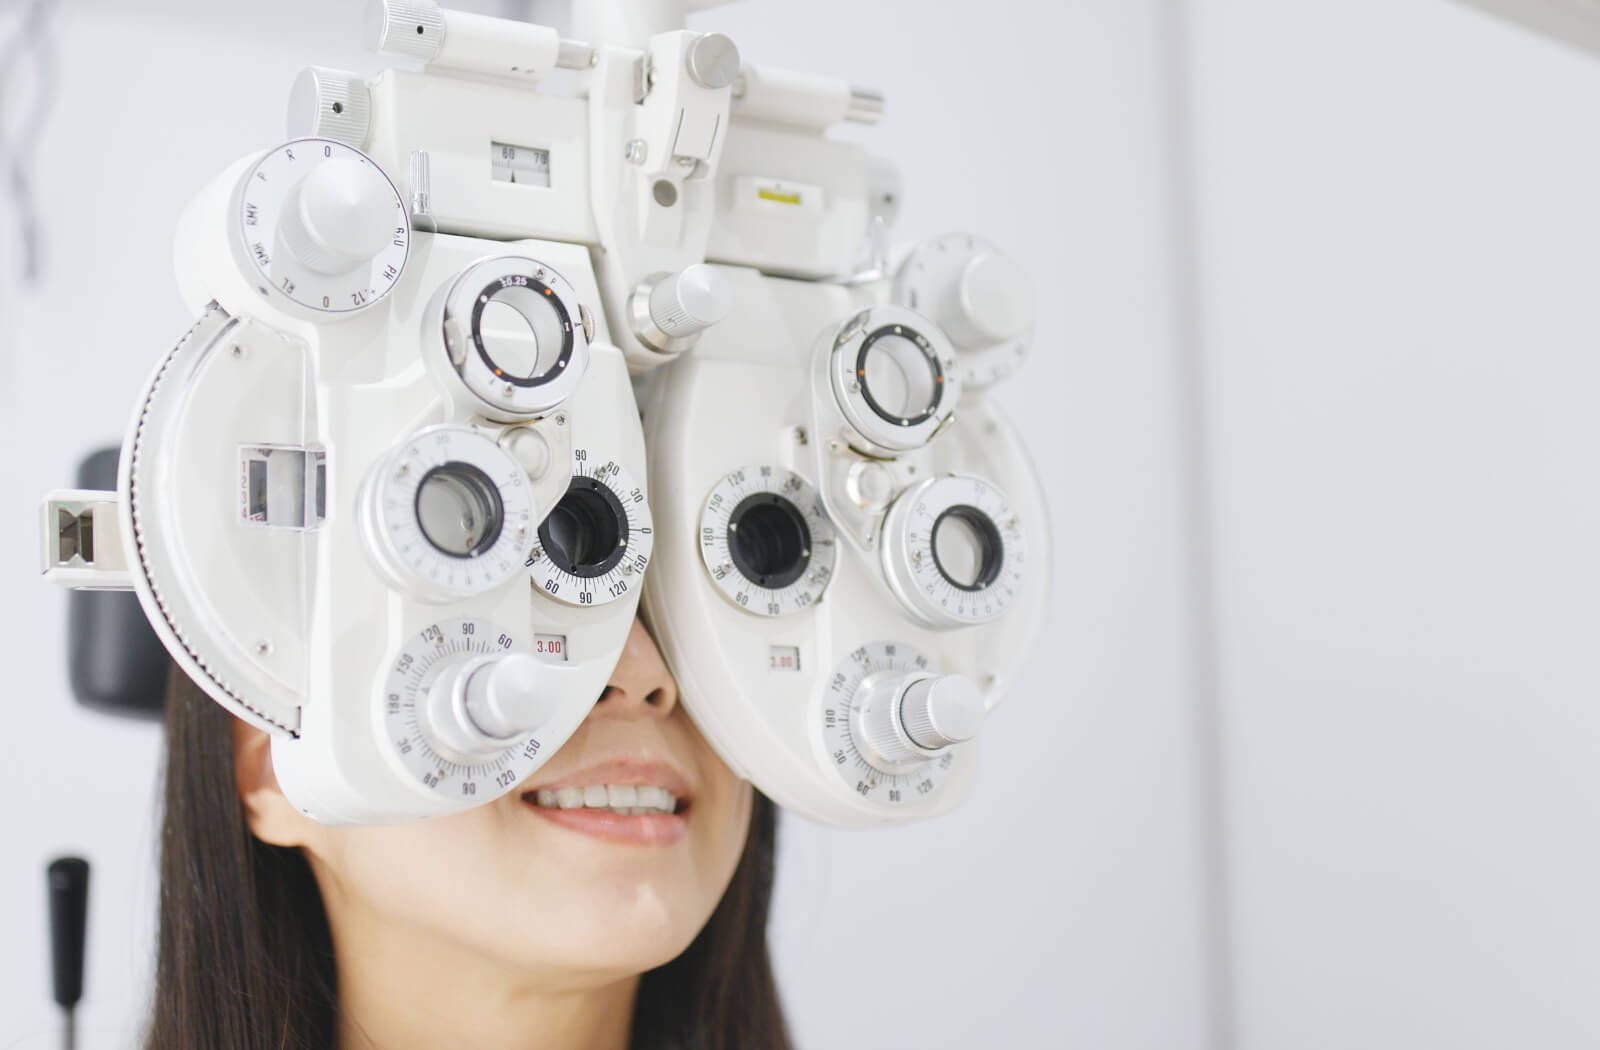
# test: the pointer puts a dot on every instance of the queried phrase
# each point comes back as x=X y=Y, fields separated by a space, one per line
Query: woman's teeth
x=625 y=799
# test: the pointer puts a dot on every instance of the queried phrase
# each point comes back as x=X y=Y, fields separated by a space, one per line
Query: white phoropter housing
x=418 y=319
x=337 y=489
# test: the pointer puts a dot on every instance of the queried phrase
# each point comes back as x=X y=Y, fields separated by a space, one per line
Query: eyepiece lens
x=585 y=535
x=967 y=548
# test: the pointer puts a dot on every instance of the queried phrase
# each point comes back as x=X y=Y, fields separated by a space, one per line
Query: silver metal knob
x=476 y=706
x=901 y=720
x=713 y=61
x=938 y=712
x=329 y=104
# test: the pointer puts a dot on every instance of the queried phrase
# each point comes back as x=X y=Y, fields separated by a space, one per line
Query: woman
x=513 y=925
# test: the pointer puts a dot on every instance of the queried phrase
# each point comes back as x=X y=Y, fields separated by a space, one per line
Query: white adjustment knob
x=993 y=302
x=329 y=104
x=339 y=216
x=938 y=712
x=901 y=720
x=671 y=309
x=477 y=705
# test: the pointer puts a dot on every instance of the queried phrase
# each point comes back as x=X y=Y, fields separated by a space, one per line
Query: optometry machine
x=391 y=498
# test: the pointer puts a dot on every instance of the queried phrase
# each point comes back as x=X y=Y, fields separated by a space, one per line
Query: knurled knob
x=940 y=711
x=409 y=28
x=712 y=61
x=329 y=104
x=904 y=719
x=690 y=301
x=476 y=705
x=339 y=216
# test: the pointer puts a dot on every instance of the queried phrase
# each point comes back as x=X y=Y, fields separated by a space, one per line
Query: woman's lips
x=647 y=829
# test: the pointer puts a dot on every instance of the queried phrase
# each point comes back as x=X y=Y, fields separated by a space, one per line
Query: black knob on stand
x=69 y=917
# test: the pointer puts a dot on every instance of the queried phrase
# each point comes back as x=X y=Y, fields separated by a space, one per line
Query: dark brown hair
x=245 y=959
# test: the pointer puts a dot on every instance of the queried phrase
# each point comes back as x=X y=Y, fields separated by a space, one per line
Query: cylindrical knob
x=903 y=719
x=409 y=28
x=938 y=712
x=476 y=706
x=992 y=302
x=511 y=695
x=670 y=309
x=713 y=61
x=690 y=301
x=68 y=879
x=339 y=216
x=329 y=104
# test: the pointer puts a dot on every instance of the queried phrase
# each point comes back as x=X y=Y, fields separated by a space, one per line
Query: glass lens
x=900 y=377
x=967 y=548
x=459 y=509
x=522 y=332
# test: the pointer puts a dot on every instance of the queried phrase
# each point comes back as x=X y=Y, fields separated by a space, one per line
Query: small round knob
x=993 y=302
x=669 y=307
x=476 y=705
x=904 y=719
x=329 y=104
x=713 y=61
x=339 y=216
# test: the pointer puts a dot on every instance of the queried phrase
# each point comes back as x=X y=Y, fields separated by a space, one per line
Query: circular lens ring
x=769 y=540
x=930 y=357
x=470 y=481
x=591 y=509
x=991 y=546
x=488 y=294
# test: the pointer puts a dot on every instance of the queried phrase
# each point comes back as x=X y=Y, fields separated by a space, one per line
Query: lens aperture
x=967 y=548
x=768 y=540
x=459 y=509
x=586 y=534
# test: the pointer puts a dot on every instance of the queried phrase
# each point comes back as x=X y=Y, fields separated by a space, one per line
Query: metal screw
x=238 y=352
x=561 y=419
x=635 y=151
x=263 y=648
x=801 y=437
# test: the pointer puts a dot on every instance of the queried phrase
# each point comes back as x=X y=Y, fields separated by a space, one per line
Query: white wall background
x=1398 y=243
x=1083 y=852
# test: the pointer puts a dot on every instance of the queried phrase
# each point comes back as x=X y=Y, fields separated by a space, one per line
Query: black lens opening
x=769 y=540
x=991 y=549
x=586 y=534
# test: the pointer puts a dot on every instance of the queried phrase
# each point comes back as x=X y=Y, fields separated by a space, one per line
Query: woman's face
x=551 y=892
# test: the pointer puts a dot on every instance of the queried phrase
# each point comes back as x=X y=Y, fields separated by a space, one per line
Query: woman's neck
x=399 y=993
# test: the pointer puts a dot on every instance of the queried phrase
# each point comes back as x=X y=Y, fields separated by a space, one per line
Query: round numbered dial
x=981 y=298
x=426 y=655
x=953 y=551
x=595 y=545
x=516 y=337
x=839 y=714
x=320 y=226
x=450 y=514
x=765 y=541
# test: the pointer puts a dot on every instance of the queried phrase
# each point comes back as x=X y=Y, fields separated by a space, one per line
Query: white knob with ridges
x=901 y=720
x=339 y=216
x=690 y=301
x=941 y=711
x=329 y=104
x=476 y=705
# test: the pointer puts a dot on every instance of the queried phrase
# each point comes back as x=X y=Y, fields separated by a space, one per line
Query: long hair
x=245 y=959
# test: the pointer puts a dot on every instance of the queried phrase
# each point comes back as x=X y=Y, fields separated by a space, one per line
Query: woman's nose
x=641 y=681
